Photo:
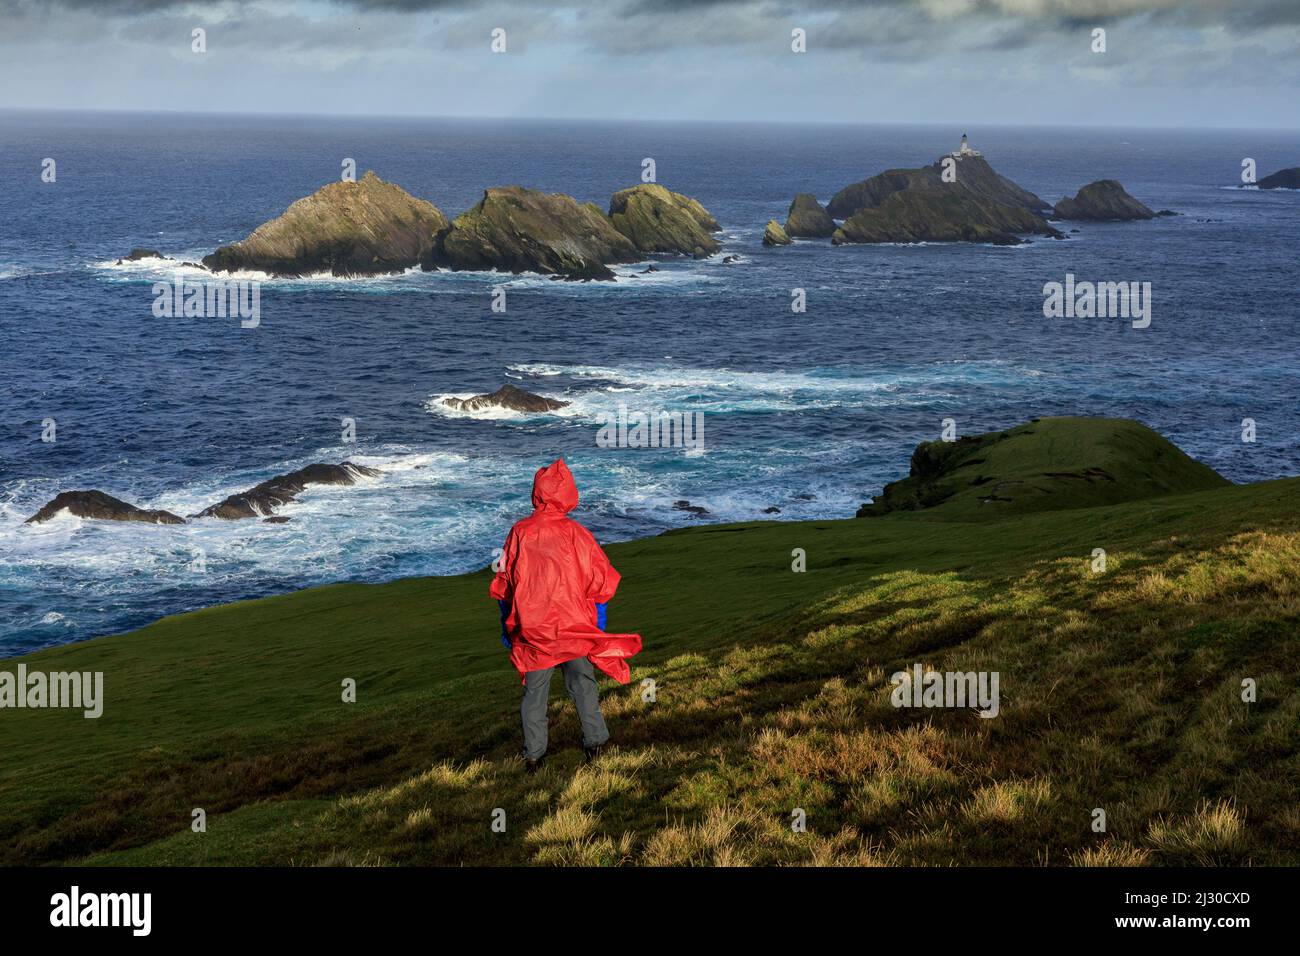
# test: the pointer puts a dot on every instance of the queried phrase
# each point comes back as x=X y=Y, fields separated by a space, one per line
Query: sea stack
x=362 y=228
x=774 y=235
x=656 y=219
x=807 y=219
x=1103 y=201
x=513 y=229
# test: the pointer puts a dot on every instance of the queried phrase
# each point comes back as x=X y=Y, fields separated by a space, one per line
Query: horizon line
x=694 y=121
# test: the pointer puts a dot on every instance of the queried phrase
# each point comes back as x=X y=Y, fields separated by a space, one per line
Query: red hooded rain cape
x=554 y=574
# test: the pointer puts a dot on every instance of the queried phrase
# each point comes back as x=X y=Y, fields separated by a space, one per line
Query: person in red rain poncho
x=553 y=586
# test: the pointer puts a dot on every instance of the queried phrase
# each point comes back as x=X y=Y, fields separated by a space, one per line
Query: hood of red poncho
x=554 y=488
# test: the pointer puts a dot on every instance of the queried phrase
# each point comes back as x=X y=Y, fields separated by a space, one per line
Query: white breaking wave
x=428 y=512
x=334 y=531
x=173 y=268
x=595 y=390
x=684 y=377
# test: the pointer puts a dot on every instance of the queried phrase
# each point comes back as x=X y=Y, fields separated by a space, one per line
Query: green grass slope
x=1045 y=465
x=1121 y=690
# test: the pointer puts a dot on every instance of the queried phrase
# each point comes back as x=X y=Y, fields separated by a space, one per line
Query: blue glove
x=505 y=613
x=600 y=615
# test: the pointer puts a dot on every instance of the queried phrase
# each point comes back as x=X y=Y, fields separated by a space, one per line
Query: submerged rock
x=260 y=501
x=1103 y=201
x=696 y=511
x=507 y=396
x=774 y=235
x=1282 y=179
x=513 y=229
x=807 y=219
x=135 y=255
x=102 y=507
x=368 y=227
x=655 y=219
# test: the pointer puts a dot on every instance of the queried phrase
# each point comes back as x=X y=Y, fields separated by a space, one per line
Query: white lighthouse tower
x=964 y=149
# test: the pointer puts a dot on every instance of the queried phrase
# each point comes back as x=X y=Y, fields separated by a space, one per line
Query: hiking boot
x=593 y=752
x=531 y=766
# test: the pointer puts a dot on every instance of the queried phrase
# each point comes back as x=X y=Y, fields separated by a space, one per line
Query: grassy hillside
x=1045 y=465
x=1120 y=690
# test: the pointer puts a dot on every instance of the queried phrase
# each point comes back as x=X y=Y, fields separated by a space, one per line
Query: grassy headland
x=1121 y=690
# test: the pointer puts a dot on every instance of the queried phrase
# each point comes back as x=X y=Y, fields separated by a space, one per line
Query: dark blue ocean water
x=811 y=413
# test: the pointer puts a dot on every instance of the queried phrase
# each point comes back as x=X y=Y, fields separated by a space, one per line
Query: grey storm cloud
x=1234 y=15
x=327 y=33
x=1179 y=61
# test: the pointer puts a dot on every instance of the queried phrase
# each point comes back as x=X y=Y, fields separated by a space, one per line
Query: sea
x=807 y=411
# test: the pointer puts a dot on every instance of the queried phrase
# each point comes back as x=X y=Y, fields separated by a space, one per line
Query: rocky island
x=263 y=499
x=973 y=174
x=371 y=227
x=368 y=227
x=774 y=235
x=1282 y=179
x=1103 y=201
x=807 y=219
x=513 y=229
x=255 y=503
x=958 y=198
x=506 y=397
x=656 y=219
x=100 y=506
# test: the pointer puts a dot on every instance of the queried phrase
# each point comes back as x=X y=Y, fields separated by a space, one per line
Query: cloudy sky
x=1167 y=62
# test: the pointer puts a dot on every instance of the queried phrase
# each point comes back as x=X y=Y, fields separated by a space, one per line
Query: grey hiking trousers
x=580 y=679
